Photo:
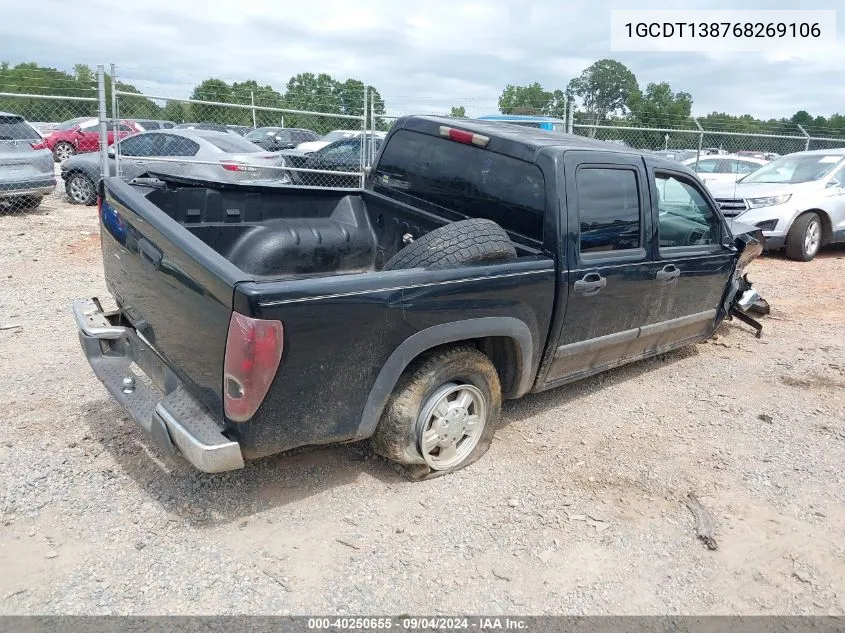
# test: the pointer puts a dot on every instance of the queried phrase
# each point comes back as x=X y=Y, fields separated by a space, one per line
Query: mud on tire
x=397 y=436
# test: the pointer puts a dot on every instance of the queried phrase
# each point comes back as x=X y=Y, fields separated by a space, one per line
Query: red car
x=81 y=135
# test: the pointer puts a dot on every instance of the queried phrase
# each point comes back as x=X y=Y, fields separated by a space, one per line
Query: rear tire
x=804 y=238
x=466 y=242
x=442 y=414
x=63 y=151
x=81 y=189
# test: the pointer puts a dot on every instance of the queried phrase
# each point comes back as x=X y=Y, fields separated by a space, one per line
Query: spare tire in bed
x=466 y=242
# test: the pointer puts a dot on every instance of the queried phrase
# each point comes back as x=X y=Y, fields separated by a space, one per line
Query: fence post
x=364 y=138
x=807 y=142
x=101 y=113
x=700 y=140
x=115 y=124
x=570 y=119
x=372 y=152
x=252 y=100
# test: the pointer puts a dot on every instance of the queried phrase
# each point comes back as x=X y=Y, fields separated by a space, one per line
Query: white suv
x=797 y=200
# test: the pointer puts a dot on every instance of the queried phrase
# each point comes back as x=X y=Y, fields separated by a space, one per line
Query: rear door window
x=469 y=180
x=608 y=209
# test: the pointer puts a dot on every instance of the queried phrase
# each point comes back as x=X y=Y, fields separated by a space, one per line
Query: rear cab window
x=472 y=181
x=15 y=128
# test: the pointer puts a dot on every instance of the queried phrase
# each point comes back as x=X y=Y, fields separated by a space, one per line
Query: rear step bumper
x=176 y=422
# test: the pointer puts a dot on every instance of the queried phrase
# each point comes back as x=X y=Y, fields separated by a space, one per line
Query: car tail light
x=42 y=144
x=253 y=352
x=462 y=136
x=232 y=166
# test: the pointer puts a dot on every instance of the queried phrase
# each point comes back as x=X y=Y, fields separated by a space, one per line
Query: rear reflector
x=253 y=352
x=462 y=136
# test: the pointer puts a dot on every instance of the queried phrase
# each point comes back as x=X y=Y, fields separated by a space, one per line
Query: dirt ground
x=578 y=508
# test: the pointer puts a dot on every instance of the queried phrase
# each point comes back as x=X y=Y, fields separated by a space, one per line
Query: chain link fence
x=60 y=132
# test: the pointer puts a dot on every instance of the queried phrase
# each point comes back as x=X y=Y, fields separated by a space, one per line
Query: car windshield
x=14 y=128
x=261 y=133
x=233 y=144
x=795 y=169
x=67 y=125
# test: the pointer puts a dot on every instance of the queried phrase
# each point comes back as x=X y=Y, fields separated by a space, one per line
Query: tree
x=659 y=106
x=213 y=90
x=458 y=112
x=530 y=100
x=604 y=88
x=176 y=111
x=557 y=105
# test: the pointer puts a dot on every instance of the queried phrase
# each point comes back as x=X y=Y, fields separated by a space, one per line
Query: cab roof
x=528 y=137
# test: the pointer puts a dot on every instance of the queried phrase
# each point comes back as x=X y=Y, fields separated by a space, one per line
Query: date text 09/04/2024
x=420 y=623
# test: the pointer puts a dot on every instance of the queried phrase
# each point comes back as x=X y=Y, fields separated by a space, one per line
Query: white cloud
x=422 y=56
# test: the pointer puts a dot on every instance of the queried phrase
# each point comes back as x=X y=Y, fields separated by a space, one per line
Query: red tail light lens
x=237 y=167
x=253 y=352
x=39 y=145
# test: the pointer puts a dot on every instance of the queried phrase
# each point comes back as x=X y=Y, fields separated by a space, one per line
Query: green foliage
x=603 y=88
x=528 y=100
x=459 y=112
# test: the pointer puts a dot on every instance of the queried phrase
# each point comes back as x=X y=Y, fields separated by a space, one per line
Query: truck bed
x=276 y=232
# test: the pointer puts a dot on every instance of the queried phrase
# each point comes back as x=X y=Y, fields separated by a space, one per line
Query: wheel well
x=827 y=225
x=502 y=352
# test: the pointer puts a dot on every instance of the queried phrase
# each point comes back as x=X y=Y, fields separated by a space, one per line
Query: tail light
x=253 y=352
x=42 y=144
x=232 y=166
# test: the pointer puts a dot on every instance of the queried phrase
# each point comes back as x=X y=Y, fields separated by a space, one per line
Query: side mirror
x=833 y=183
x=110 y=151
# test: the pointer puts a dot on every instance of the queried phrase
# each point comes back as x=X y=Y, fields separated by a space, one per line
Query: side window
x=608 y=209
x=122 y=127
x=92 y=127
x=140 y=145
x=745 y=167
x=178 y=146
x=468 y=180
x=706 y=166
x=685 y=218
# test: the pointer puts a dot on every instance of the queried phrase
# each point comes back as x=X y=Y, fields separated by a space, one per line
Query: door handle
x=669 y=273
x=590 y=284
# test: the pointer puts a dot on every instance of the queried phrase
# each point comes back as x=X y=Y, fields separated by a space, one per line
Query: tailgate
x=176 y=291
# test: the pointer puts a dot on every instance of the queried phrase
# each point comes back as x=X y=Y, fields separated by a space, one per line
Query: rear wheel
x=62 y=151
x=804 y=238
x=81 y=190
x=442 y=414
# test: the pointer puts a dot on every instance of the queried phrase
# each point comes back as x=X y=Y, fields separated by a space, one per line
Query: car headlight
x=770 y=201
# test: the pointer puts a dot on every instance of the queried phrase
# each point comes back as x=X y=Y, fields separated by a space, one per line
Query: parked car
x=224 y=158
x=274 y=139
x=153 y=124
x=727 y=168
x=212 y=127
x=81 y=135
x=343 y=155
x=679 y=155
x=336 y=135
x=26 y=173
x=482 y=261
x=798 y=200
x=240 y=130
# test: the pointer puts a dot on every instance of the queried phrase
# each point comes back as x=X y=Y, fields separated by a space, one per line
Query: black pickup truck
x=481 y=261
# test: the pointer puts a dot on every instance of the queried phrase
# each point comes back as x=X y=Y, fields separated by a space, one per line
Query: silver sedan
x=203 y=154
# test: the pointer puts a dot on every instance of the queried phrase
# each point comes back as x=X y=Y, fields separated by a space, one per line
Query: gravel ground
x=578 y=508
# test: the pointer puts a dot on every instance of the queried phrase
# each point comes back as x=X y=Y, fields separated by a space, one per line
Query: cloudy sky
x=423 y=56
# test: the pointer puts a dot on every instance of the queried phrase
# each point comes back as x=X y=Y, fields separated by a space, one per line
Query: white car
x=798 y=200
x=729 y=168
x=335 y=135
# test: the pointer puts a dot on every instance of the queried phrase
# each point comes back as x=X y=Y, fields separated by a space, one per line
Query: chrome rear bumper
x=165 y=410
